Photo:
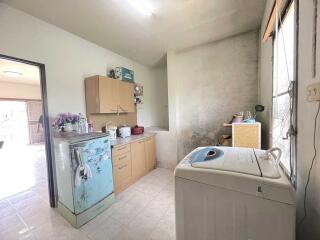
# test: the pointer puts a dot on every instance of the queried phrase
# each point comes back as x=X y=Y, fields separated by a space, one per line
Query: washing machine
x=224 y=193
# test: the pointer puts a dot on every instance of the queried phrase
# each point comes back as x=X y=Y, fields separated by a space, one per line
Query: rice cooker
x=124 y=131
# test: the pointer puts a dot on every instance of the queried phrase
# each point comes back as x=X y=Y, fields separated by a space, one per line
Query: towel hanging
x=83 y=170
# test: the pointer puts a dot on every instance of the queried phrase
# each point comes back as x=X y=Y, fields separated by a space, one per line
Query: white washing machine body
x=239 y=194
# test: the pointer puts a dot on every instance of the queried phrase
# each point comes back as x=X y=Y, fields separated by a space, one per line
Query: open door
x=23 y=75
x=35 y=121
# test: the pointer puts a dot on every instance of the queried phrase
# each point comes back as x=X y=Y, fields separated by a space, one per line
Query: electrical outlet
x=313 y=92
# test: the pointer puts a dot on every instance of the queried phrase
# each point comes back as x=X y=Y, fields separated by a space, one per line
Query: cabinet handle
x=121 y=148
x=124 y=157
x=122 y=109
x=122 y=167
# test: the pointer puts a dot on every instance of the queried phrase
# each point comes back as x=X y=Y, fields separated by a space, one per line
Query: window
x=284 y=87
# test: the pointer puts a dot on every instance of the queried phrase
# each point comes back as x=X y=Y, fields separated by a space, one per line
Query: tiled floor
x=143 y=211
x=23 y=168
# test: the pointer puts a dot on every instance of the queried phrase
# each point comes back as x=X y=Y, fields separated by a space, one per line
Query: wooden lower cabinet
x=132 y=161
x=138 y=158
x=122 y=175
x=120 y=150
x=150 y=152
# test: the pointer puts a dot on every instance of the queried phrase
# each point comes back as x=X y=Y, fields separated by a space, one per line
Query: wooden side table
x=246 y=135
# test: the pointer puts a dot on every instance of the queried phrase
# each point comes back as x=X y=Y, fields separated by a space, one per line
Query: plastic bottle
x=83 y=125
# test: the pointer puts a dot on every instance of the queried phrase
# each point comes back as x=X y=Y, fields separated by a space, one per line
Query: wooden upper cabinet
x=106 y=95
x=126 y=96
x=92 y=94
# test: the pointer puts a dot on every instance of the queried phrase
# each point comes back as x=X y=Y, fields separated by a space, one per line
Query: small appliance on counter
x=111 y=129
x=84 y=175
x=124 y=131
x=137 y=130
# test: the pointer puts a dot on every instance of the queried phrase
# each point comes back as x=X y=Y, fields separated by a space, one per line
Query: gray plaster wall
x=160 y=96
x=208 y=84
x=309 y=229
x=154 y=110
x=265 y=80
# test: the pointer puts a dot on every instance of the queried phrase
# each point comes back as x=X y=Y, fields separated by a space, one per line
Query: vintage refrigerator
x=84 y=175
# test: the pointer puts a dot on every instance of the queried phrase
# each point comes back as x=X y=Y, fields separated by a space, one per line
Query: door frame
x=46 y=124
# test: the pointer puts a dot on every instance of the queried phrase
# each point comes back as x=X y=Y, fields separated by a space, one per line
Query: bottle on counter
x=83 y=124
x=90 y=127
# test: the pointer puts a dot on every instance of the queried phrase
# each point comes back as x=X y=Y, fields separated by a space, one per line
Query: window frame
x=292 y=176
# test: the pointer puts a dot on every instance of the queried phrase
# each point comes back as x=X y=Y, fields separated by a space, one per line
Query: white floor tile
x=11 y=222
x=126 y=213
x=144 y=211
x=57 y=230
x=105 y=230
x=23 y=234
x=165 y=228
x=130 y=234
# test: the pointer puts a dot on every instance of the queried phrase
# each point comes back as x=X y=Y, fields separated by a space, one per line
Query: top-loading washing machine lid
x=240 y=160
x=243 y=170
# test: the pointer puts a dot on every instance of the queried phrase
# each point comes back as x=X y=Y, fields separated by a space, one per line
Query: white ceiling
x=29 y=74
x=175 y=24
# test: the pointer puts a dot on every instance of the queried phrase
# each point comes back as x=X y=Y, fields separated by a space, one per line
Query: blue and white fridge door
x=92 y=171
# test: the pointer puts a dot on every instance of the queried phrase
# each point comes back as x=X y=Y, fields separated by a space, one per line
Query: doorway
x=25 y=149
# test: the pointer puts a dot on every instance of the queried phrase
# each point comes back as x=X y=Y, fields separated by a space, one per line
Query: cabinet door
x=92 y=94
x=138 y=159
x=126 y=97
x=108 y=92
x=122 y=175
x=150 y=150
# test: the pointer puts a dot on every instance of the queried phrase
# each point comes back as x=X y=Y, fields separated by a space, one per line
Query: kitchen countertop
x=132 y=138
x=156 y=129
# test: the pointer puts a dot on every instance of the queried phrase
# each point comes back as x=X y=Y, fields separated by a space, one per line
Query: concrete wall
x=145 y=110
x=265 y=80
x=68 y=59
x=207 y=85
x=309 y=230
x=167 y=141
x=20 y=91
x=154 y=110
x=160 y=96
